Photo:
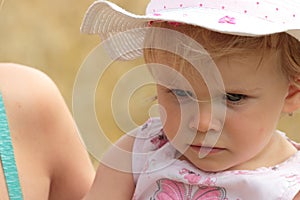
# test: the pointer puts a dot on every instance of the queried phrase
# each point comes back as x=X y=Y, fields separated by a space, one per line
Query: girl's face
x=255 y=93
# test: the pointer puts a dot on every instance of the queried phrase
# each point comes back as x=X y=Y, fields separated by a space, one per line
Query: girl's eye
x=182 y=93
x=235 y=98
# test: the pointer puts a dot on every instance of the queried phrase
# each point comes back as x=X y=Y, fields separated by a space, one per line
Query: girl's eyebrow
x=243 y=90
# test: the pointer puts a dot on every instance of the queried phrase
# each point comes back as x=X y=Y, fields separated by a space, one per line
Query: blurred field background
x=45 y=35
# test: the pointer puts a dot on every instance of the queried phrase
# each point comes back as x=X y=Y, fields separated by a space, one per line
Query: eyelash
x=236 y=99
x=181 y=93
x=182 y=96
x=231 y=98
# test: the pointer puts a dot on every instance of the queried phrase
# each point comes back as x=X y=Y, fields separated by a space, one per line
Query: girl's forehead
x=239 y=68
x=192 y=61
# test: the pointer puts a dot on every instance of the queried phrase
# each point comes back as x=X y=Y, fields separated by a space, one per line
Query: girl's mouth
x=206 y=149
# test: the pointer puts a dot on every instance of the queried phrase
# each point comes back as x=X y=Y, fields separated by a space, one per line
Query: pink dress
x=159 y=175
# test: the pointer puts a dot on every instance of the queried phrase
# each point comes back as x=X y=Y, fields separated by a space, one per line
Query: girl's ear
x=292 y=100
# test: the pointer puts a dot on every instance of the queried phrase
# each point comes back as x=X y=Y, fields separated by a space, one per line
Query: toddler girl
x=226 y=72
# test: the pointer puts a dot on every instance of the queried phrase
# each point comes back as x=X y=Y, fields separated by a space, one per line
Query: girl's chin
x=206 y=166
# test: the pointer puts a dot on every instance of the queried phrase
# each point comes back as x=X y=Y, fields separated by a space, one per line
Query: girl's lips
x=208 y=150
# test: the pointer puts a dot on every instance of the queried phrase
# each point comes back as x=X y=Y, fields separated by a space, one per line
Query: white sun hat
x=237 y=17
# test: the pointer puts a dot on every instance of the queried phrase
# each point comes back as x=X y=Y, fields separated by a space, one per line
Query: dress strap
x=8 y=158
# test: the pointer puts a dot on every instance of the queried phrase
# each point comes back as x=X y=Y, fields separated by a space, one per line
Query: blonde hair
x=219 y=44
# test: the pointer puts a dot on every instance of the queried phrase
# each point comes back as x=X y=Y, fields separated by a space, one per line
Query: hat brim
x=107 y=19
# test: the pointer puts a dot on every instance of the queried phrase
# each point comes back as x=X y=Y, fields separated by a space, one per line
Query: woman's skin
x=51 y=159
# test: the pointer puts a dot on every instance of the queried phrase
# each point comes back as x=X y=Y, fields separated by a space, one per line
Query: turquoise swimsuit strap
x=8 y=158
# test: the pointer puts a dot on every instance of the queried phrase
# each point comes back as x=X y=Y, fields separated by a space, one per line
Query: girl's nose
x=205 y=121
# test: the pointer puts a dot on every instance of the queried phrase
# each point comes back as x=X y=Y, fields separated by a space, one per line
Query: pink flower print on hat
x=274 y=11
x=227 y=19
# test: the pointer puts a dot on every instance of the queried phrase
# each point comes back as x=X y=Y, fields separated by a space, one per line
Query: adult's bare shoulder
x=43 y=130
x=27 y=91
x=16 y=77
